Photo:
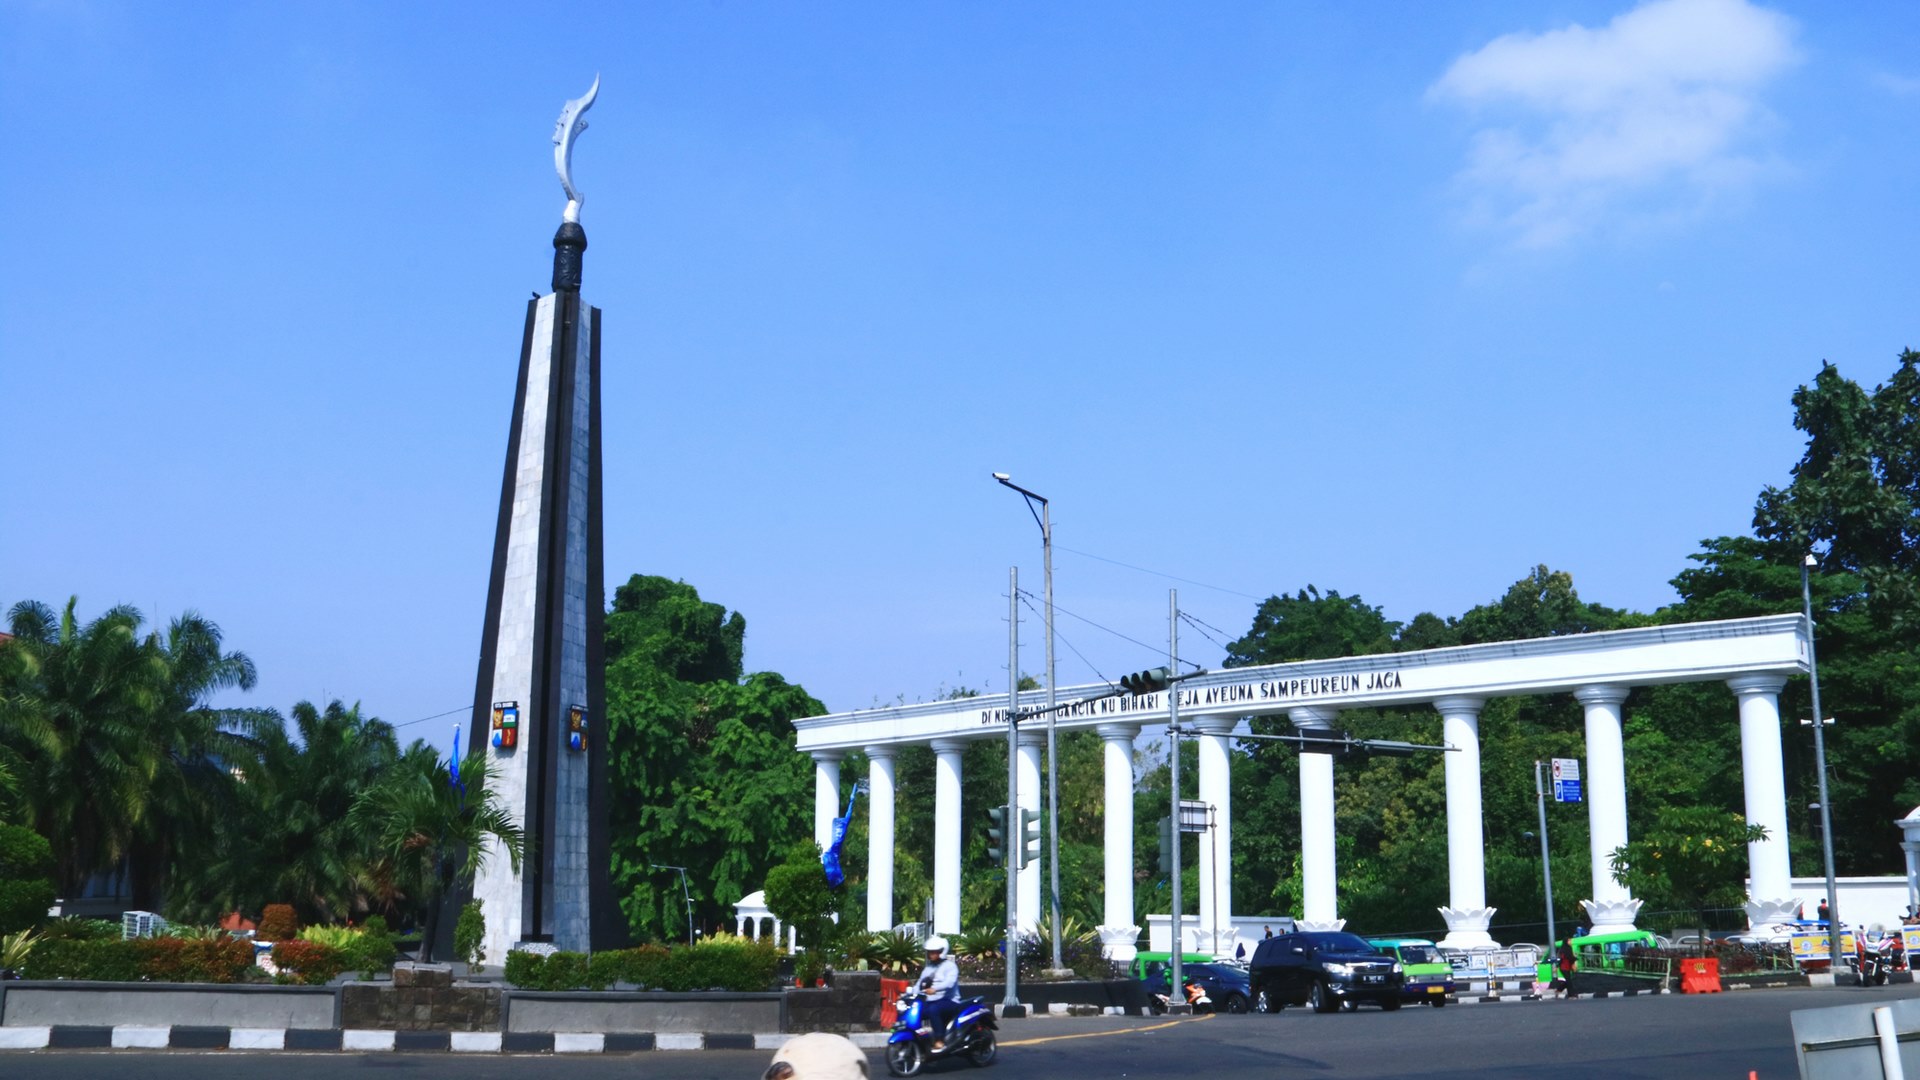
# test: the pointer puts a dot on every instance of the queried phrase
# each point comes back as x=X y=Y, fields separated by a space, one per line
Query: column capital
x=1312 y=716
x=1601 y=694
x=1455 y=706
x=1214 y=725
x=1032 y=737
x=882 y=752
x=949 y=746
x=1119 y=733
x=826 y=757
x=1744 y=685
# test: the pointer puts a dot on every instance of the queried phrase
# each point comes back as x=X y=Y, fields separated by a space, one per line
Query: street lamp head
x=1003 y=477
x=1811 y=561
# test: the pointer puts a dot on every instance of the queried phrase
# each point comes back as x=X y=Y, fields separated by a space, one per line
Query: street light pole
x=1045 y=519
x=684 y=891
x=1016 y=841
x=1820 y=766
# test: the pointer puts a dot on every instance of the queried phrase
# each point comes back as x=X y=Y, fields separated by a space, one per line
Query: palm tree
x=79 y=701
x=435 y=833
x=193 y=797
x=287 y=838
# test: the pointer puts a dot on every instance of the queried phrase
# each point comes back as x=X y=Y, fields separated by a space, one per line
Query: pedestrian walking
x=1562 y=984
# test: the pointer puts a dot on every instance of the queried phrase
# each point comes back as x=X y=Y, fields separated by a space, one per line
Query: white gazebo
x=1753 y=658
x=754 y=922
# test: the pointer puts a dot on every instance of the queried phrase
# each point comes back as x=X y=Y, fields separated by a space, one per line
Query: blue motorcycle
x=971 y=1036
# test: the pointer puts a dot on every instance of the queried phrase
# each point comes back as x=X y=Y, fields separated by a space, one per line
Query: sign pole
x=1546 y=863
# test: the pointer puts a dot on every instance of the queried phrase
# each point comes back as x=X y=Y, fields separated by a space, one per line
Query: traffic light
x=997 y=835
x=1146 y=682
x=1166 y=845
x=1030 y=837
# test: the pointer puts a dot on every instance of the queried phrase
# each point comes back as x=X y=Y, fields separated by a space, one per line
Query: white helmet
x=938 y=944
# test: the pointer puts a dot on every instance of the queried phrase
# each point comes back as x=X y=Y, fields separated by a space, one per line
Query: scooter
x=970 y=1036
x=1196 y=998
x=1876 y=958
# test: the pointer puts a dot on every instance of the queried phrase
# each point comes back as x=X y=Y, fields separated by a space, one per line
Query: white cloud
x=1637 y=119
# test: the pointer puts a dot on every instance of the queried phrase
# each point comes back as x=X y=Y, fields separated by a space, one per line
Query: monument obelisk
x=540 y=691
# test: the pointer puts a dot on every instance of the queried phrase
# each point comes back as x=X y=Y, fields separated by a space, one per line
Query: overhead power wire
x=435 y=716
x=1026 y=599
x=1158 y=649
x=1157 y=573
x=1201 y=629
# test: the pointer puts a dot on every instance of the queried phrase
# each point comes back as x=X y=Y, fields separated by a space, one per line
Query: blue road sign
x=1566 y=791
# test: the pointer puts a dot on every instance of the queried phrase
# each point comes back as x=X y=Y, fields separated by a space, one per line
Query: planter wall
x=643 y=1011
x=166 y=1004
x=852 y=1003
x=1127 y=995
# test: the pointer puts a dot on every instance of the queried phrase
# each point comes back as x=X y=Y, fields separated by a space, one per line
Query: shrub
x=525 y=969
x=715 y=964
x=15 y=948
x=644 y=966
x=99 y=960
x=556 y=971
x=363 y=950
x=170 y=959
x=26 y=878
x=470 y=935
x=372 y=951
x=308 y=962
x=74 y=928
x=339 y=937
x=277 y=923
x=377 y=924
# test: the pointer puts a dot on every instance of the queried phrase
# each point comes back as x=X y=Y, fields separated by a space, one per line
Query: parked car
x=1325 y=970
x=1429 y=976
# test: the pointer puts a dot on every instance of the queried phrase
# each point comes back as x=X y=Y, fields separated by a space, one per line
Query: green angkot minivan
x=1429 y=976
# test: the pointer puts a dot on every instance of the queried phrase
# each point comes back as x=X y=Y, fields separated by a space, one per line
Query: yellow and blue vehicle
x=1430 y=977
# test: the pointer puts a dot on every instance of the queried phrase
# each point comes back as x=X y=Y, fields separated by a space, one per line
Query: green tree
x=26 y=879
x=799 y=896
x=436 y=834
x=1694 y=861
x=702 y=764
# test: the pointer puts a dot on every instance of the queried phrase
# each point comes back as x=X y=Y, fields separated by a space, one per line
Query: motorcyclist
x=939 y=991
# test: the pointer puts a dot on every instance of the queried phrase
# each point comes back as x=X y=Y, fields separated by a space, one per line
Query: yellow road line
x=1098 y=1034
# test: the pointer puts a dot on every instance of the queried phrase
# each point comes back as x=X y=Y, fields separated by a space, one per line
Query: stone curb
x=361 y=1041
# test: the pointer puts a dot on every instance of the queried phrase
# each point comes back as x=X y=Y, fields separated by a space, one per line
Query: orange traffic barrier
x=1700 y=976
x=890 y=991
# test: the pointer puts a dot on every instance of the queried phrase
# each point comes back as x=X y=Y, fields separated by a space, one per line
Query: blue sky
x=1396 y=299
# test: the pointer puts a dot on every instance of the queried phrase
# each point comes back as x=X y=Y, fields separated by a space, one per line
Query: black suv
x=1324 y=970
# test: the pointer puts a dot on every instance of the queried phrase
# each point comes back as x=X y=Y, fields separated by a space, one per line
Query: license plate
x=1372 y=978
x=1436 y=989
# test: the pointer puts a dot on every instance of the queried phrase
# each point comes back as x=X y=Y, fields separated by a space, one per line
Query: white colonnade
x=1753 y=657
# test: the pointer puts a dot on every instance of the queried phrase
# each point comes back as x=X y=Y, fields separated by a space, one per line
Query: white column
x=826 y=795
x=1467 y=914
x=947 y=822
x=1031 y=744
x=1118 y=932
x=1769 y=878
x=880 y=838
x=1216 y=846
x=1611 y=908
x=1319 y=905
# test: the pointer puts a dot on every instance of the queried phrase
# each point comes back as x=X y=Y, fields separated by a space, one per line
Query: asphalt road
x=1690 y=1038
